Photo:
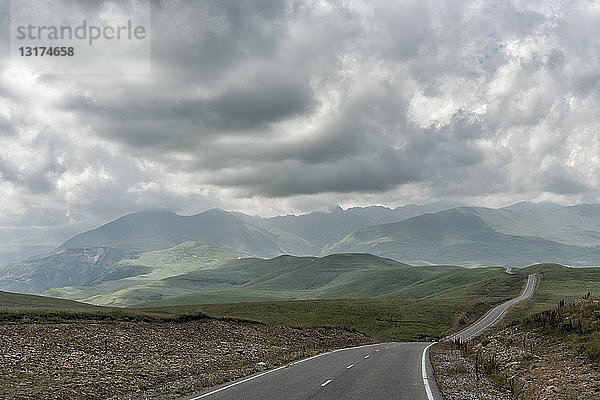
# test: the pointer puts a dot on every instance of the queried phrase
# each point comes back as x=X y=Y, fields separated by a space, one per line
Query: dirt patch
x=136 y=360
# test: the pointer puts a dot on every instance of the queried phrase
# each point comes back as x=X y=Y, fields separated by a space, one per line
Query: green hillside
x=339 y=276
x=384 y=319
x=233 y=279
x=449 y=300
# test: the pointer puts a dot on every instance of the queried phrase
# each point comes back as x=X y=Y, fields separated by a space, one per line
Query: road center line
x=326 y=382
x=277 y=369
x=350 y=366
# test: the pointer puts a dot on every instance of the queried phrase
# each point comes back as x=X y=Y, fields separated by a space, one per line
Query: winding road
x=380 y=371
x=496 y=313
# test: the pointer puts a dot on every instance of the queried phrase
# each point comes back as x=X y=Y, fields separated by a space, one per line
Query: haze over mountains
x=142 y=248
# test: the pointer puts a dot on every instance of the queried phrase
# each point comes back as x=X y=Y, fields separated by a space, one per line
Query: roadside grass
x=575 y=323
x=16 y=301
x=58 y=316
x=383 y=319
x=26 y=308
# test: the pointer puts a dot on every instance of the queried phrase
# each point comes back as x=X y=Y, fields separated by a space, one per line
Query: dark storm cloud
x=202 y=41
x=271 y=103
x=156 y=122
x=265 y=99
x=261 y=91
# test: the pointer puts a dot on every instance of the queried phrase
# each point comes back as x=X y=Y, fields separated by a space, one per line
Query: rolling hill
x=105 y=260
x=339 y=276
x=283 y=277
x=18 y=301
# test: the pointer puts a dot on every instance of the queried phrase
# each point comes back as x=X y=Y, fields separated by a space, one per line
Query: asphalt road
x=496 y=313
x=381 y=371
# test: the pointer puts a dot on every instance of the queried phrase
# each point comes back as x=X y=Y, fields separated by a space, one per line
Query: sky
x=277 y=107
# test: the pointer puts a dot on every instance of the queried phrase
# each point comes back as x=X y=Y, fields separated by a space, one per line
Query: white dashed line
x=350 y=366
x=275 y=370
x=367 y=356
x=326 y=382
x=377 y=350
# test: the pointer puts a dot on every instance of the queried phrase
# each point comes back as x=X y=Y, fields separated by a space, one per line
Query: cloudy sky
x=274 y=107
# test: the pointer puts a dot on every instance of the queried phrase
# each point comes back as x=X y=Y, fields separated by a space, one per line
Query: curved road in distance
x=496 y=313
x=399 y=371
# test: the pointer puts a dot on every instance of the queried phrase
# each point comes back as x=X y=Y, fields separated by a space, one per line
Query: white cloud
x=273 y=107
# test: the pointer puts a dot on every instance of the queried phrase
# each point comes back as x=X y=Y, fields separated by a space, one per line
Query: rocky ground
x=138 y=360
x=541 y=368
x=521 y=365
x=457 y=379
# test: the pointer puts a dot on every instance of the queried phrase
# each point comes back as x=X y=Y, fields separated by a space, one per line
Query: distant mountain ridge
x=241 y=233
x=517 y=235
x=155 y=230
x=463 y=236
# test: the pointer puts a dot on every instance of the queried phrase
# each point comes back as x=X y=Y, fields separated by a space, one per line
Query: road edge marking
x=278 y=368
x=424 y=373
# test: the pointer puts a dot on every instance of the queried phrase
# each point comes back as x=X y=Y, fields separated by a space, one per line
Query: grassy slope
x=558 y=283
x=361 y=282
x=16 y=307
x=14 y=301
x=574 y=324
x=248 y=279
x=385 y=318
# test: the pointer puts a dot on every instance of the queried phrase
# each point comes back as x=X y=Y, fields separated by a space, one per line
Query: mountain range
x=134 y=250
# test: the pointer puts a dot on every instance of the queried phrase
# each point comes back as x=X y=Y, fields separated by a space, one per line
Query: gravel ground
x=544 y=368
x=541 y=368
x=137 y=360
x=456 y=377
